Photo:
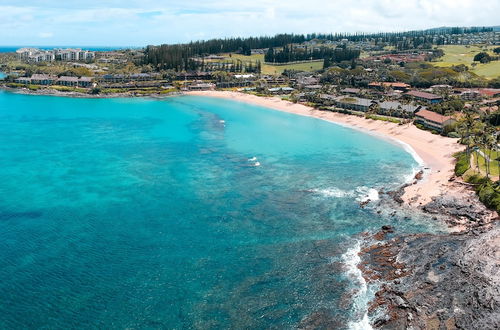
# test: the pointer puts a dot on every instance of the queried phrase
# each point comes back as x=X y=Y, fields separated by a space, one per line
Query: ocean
x=187 y=212
x=11 y=49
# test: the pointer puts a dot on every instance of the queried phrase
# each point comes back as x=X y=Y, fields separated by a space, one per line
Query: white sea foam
x=253 y=159
x=334 y=192
x=256 y=164
x=364 y=194
x=361 y=297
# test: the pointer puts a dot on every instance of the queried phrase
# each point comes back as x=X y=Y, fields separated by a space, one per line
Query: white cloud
x=140 y=22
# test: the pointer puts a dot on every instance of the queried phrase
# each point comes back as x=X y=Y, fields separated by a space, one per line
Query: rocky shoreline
x=54 y=92
x=437 y=281
x=444 y=281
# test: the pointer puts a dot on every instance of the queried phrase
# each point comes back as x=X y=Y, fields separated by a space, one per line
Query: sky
x=145 y=22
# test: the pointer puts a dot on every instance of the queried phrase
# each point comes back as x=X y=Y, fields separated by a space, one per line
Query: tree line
x=290 y=53
x=183 y=57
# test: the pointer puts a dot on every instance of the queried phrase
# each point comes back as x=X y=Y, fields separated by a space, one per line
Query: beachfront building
x=433 y=120
x=201 y=86
x=43 y=79
x=425 y=97
x=397 y=109
x=281 y=90
x=74 y=81
x=354 y=103
x=23 y=80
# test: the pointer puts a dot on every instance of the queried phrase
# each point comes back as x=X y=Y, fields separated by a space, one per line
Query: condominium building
x=38 y=55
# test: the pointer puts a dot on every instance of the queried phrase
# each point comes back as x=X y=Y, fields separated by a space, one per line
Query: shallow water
x=189 y=212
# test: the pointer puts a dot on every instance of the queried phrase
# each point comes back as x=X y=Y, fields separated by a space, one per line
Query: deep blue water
x=10 y=49
x=138 y=213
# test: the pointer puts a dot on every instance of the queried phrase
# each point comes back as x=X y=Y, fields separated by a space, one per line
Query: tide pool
x=188 y=212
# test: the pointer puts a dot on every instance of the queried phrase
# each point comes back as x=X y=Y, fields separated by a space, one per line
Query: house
x=425 y=97
x=433 y=120
x=353 y=103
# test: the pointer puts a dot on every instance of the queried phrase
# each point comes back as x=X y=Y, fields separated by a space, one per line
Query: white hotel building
x=38 y=55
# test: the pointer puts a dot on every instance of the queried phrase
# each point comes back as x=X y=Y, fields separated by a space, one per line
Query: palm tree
x=465 y=130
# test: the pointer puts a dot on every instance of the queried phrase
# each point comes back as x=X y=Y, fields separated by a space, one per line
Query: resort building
x=425 y=97
x=43 y=79
x=36 y=55
x=433 y=120
x=354 y=103
x=74 y=81
x=201 y=86
x=281 y=90
x=394 y=108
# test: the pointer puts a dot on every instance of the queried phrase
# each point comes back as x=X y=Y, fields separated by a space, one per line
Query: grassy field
x=457 y=54
x=277 y=69
x=482 y=163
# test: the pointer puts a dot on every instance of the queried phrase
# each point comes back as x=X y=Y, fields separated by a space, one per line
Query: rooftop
x=424 y=95
x=429 y=115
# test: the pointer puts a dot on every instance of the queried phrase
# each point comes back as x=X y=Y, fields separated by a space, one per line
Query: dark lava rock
x=436 y=281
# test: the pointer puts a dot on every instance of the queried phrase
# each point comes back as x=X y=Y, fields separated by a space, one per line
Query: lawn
x=494 y=166
x=458 y=54
x=276 y=69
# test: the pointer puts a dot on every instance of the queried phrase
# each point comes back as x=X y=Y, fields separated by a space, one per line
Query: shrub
x=476 y=179
x=462 y=164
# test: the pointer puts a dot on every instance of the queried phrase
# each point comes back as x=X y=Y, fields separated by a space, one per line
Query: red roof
x=489 y=92
x=424 y=95
x=429 y=115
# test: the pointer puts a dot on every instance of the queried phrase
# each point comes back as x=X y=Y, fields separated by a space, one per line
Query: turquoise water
x=139 y=213
x=2 y=75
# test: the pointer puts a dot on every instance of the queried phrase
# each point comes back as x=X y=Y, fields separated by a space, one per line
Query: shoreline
x=433 y=152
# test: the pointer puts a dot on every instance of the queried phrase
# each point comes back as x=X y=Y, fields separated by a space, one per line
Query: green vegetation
x=383 y=118
x=458 y=54
x=463 y=163
x=482 y=57
x=488 y=192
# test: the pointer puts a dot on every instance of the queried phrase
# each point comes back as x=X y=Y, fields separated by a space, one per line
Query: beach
x=435 y=152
